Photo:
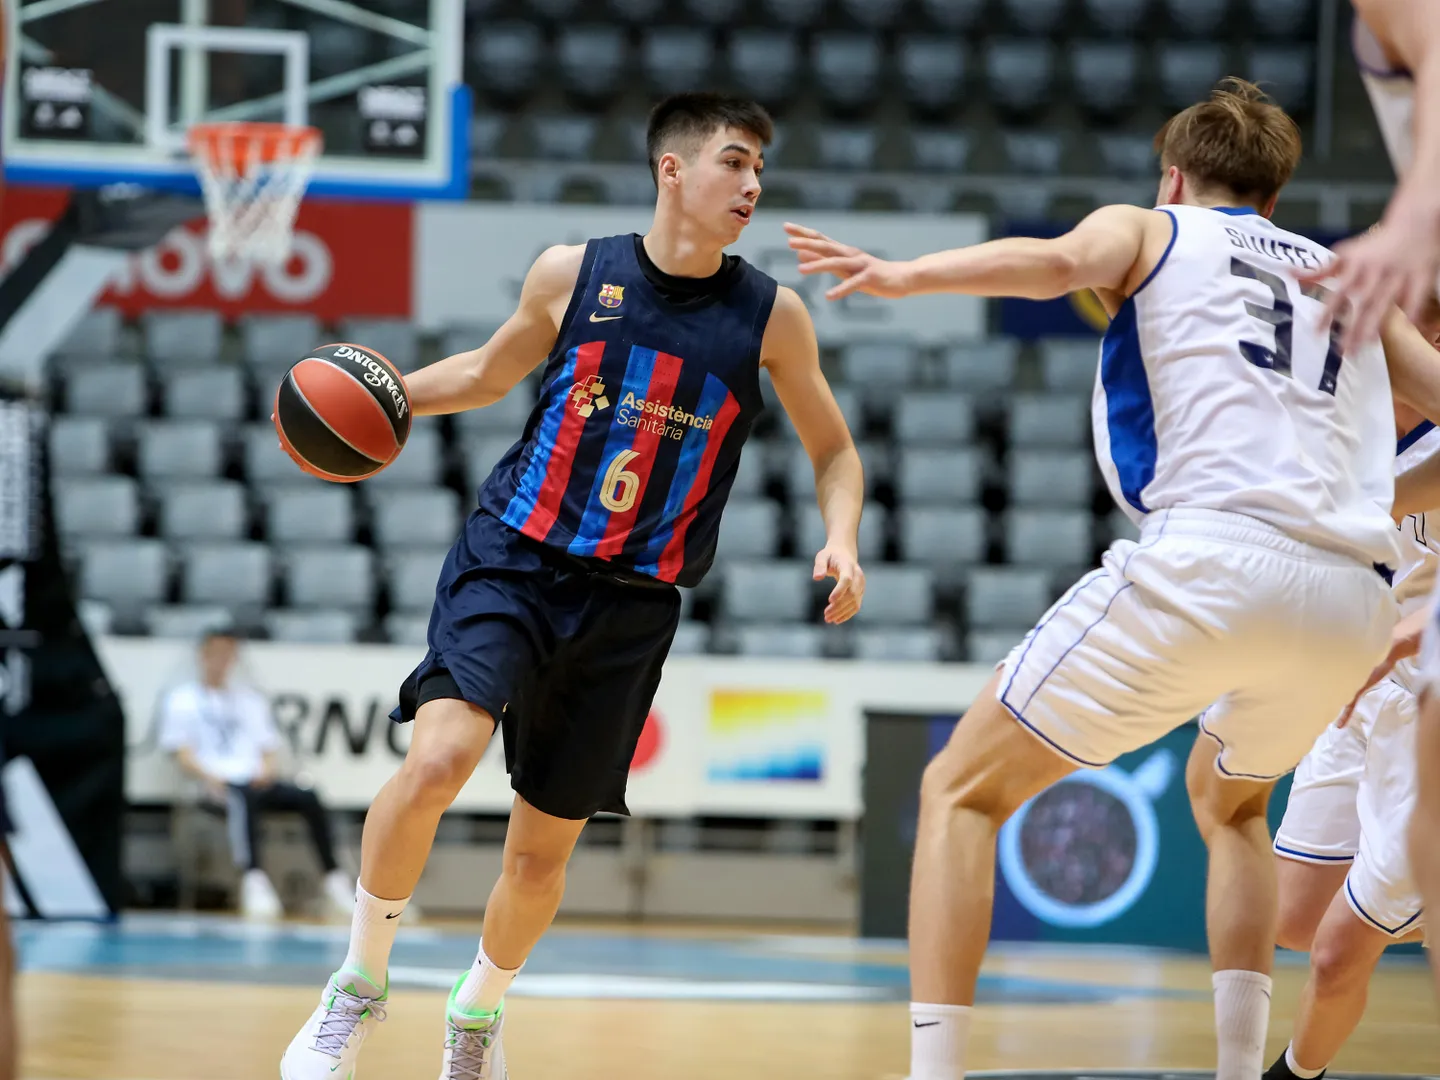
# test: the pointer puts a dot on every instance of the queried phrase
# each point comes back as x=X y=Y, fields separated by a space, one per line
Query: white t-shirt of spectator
x=228 y=731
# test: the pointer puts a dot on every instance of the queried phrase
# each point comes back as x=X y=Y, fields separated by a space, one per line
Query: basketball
x=342 y=413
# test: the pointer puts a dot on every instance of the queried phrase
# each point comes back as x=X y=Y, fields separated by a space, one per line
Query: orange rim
x=239 y=145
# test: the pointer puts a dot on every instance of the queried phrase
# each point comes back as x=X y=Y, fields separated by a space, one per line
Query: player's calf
x=1342 y=960
x=990 y=766
x=1240 y=906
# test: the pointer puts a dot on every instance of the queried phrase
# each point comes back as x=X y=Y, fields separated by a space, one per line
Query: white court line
x=646 y=987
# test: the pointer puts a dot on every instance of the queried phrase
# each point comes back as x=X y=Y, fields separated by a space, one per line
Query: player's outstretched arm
x=1099 y=253
x=791 y=355
x=483 y=376
x=1397 y=261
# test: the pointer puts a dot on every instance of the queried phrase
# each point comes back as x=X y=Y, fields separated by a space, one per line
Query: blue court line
x=227 y=951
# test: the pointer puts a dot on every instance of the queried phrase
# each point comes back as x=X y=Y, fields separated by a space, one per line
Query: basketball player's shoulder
x=559 y=263
x=555 y=272
x=790 y=329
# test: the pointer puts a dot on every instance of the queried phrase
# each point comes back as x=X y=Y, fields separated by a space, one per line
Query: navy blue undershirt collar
x=1414 y=435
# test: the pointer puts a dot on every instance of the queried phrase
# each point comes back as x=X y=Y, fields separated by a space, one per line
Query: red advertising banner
x=350 y=258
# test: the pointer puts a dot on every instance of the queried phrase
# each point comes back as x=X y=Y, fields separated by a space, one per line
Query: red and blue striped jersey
x=646 y=401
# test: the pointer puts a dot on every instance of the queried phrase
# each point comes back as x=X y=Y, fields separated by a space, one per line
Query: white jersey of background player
x=1346 y=890
x=1398 y=49
x=1254 y=452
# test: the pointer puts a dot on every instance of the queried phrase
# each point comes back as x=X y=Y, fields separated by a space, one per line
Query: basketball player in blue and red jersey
x=556 y=607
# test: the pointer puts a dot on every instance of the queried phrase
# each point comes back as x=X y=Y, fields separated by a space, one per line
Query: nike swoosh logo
x=604 y=318
x=398 y=914
x=932 y=1023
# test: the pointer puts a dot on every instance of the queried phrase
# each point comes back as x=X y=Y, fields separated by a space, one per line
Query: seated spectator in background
x=222 y=733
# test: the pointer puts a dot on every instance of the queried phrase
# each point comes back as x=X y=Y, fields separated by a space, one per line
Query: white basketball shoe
x=327 y=1046
x=473 y=1046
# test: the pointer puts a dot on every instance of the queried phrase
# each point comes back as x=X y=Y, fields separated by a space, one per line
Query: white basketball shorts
x=1340 y=810
x=1211 y=611
x=1322 y=816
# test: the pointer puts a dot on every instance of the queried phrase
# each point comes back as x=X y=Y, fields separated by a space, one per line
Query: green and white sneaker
x=327 y=1046
x=473 y=1047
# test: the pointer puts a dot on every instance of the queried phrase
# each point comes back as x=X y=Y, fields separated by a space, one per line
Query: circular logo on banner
x=1082 y=852
x=652 y=741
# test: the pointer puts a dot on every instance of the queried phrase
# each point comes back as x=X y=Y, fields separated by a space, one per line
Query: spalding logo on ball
x=342 y=413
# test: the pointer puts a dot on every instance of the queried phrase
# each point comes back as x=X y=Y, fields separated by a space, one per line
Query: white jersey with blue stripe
x=1220 y=389
x=1419 y=536
x=1392 y=95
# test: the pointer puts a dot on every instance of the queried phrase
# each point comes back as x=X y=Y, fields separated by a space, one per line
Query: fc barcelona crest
x=611 y=296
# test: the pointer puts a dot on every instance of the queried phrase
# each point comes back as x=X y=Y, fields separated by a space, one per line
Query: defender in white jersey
x=1346 y=891
x=1397 y=46
x=1253 y=452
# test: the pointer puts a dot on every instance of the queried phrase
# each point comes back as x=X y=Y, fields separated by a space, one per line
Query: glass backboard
x=102 y=91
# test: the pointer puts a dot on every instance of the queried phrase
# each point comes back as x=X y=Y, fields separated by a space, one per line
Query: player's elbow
x=1058 y=274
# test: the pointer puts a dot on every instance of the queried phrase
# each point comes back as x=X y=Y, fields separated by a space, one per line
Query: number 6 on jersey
x=620 y=488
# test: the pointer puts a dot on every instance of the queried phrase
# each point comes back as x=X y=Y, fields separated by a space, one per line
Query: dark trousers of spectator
x=246 y=805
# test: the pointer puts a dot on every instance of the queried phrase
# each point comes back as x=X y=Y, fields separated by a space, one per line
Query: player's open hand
x=1394 y=263
x=858 y=271
x=849 y=592
x=1404 y=643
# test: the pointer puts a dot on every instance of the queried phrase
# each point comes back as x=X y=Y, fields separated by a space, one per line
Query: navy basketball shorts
x=563 y=653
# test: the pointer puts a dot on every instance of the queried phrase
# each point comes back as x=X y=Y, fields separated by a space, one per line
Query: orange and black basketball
x=342 y=413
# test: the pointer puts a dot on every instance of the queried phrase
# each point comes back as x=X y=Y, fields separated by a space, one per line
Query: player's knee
x=536 y=871
x=436 y=773
x=951 y=784
x=1217 y=802
x=1335 y=969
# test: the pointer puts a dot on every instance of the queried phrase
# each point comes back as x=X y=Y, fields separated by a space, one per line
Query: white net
x=253 y=177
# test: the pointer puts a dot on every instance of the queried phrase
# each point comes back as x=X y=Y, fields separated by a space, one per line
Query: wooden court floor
x=1155 y=1014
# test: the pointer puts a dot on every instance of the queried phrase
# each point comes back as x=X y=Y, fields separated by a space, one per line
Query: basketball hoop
x=253 y=176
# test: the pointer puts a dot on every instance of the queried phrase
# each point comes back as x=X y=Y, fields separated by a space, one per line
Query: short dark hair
x=693 y=117
x=1237 y=139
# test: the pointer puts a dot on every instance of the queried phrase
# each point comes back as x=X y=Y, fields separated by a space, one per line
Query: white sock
x=372 y=935
x=938 y=1034
x=1242 y=1016
x=484 y=986
x=1299 y=1070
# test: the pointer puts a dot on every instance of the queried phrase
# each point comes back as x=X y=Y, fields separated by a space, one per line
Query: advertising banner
x=1107 y=855
x=471 y=259
x=726 y=736
x=336 y=269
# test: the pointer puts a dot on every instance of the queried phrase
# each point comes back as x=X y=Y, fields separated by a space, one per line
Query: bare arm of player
x=791 y=355
x=479 y=377
x=1404 y=643
x=1099 y=253
x=1415 y=379
x=1397 y=261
